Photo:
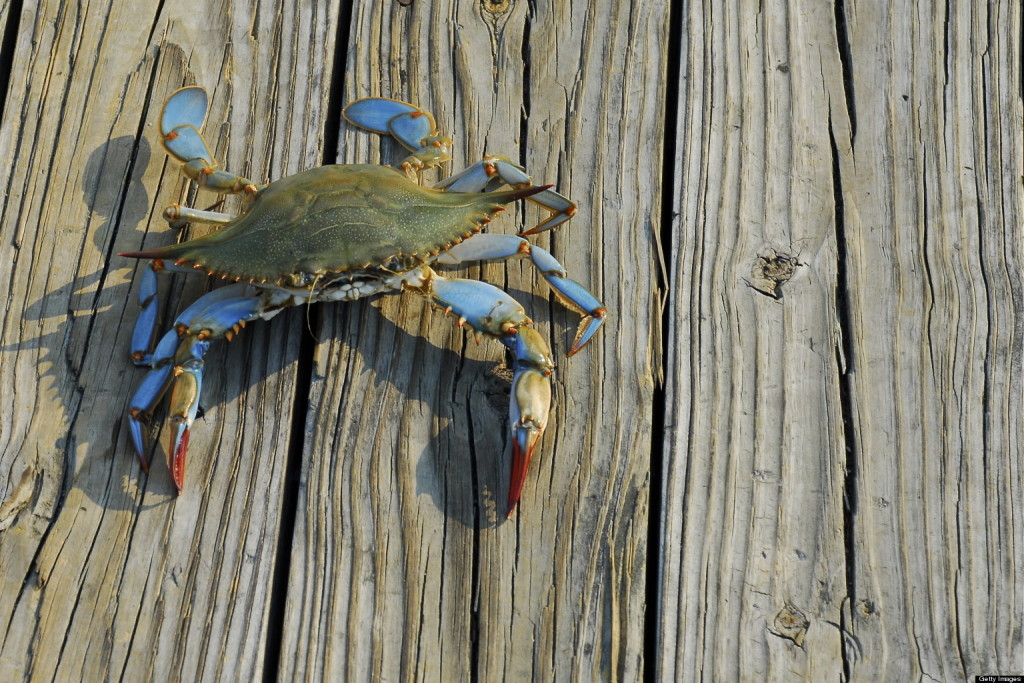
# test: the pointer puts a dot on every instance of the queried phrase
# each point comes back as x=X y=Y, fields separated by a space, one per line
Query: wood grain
x=403 y=563
x=105 y=573
x=836 y=470
x=936 y=232
x=843 y=499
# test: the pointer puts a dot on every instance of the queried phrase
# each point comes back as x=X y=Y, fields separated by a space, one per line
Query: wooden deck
x=794 y=453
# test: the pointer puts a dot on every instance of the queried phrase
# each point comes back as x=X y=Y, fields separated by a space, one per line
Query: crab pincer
x=188 y=381
x=486 y=309
x=529 y=405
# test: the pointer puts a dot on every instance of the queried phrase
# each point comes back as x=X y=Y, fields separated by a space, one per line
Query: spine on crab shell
x=183 y=254
x=168 y=252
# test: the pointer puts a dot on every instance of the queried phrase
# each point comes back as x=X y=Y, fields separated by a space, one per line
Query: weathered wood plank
x=109 y=574
x=845 y=464
x=403 y=565
x=754 y=479
x=105 y=573
x=932 y=195
x=7 y=22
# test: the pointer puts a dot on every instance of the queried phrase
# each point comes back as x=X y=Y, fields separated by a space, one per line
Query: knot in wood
x=792 y=624
x=496 y=7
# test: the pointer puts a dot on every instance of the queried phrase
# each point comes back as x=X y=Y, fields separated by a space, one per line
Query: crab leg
x=149 y=392
x=140 y=409
x=177 y=216
x=410 y=125
x=572 y=294
x=494 y=247
x=145 y=323
x=177 y=365
x=180 y=120
x=161 y=360
x=486 y=309
x=494 y=172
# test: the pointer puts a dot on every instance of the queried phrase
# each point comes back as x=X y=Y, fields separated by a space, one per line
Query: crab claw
x=528 y=415
x=531 y=400
x=177 y=366
x=488 y=310
x=184 y=407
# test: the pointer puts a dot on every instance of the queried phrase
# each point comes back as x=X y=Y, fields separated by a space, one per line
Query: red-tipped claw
x=177 y=461
x=531 y=399
x=184 y=407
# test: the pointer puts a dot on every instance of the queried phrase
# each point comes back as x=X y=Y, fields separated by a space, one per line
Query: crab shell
x=338 y=218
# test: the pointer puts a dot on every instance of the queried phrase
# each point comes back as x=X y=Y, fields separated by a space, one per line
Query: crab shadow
x=78 y=385
x=458 y=407
x=82 y=352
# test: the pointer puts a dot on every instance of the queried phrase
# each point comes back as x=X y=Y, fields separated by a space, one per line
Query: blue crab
x=339 y=233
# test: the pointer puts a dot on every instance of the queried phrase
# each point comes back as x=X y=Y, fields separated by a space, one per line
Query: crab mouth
x=346 y=286
x=349 y=287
